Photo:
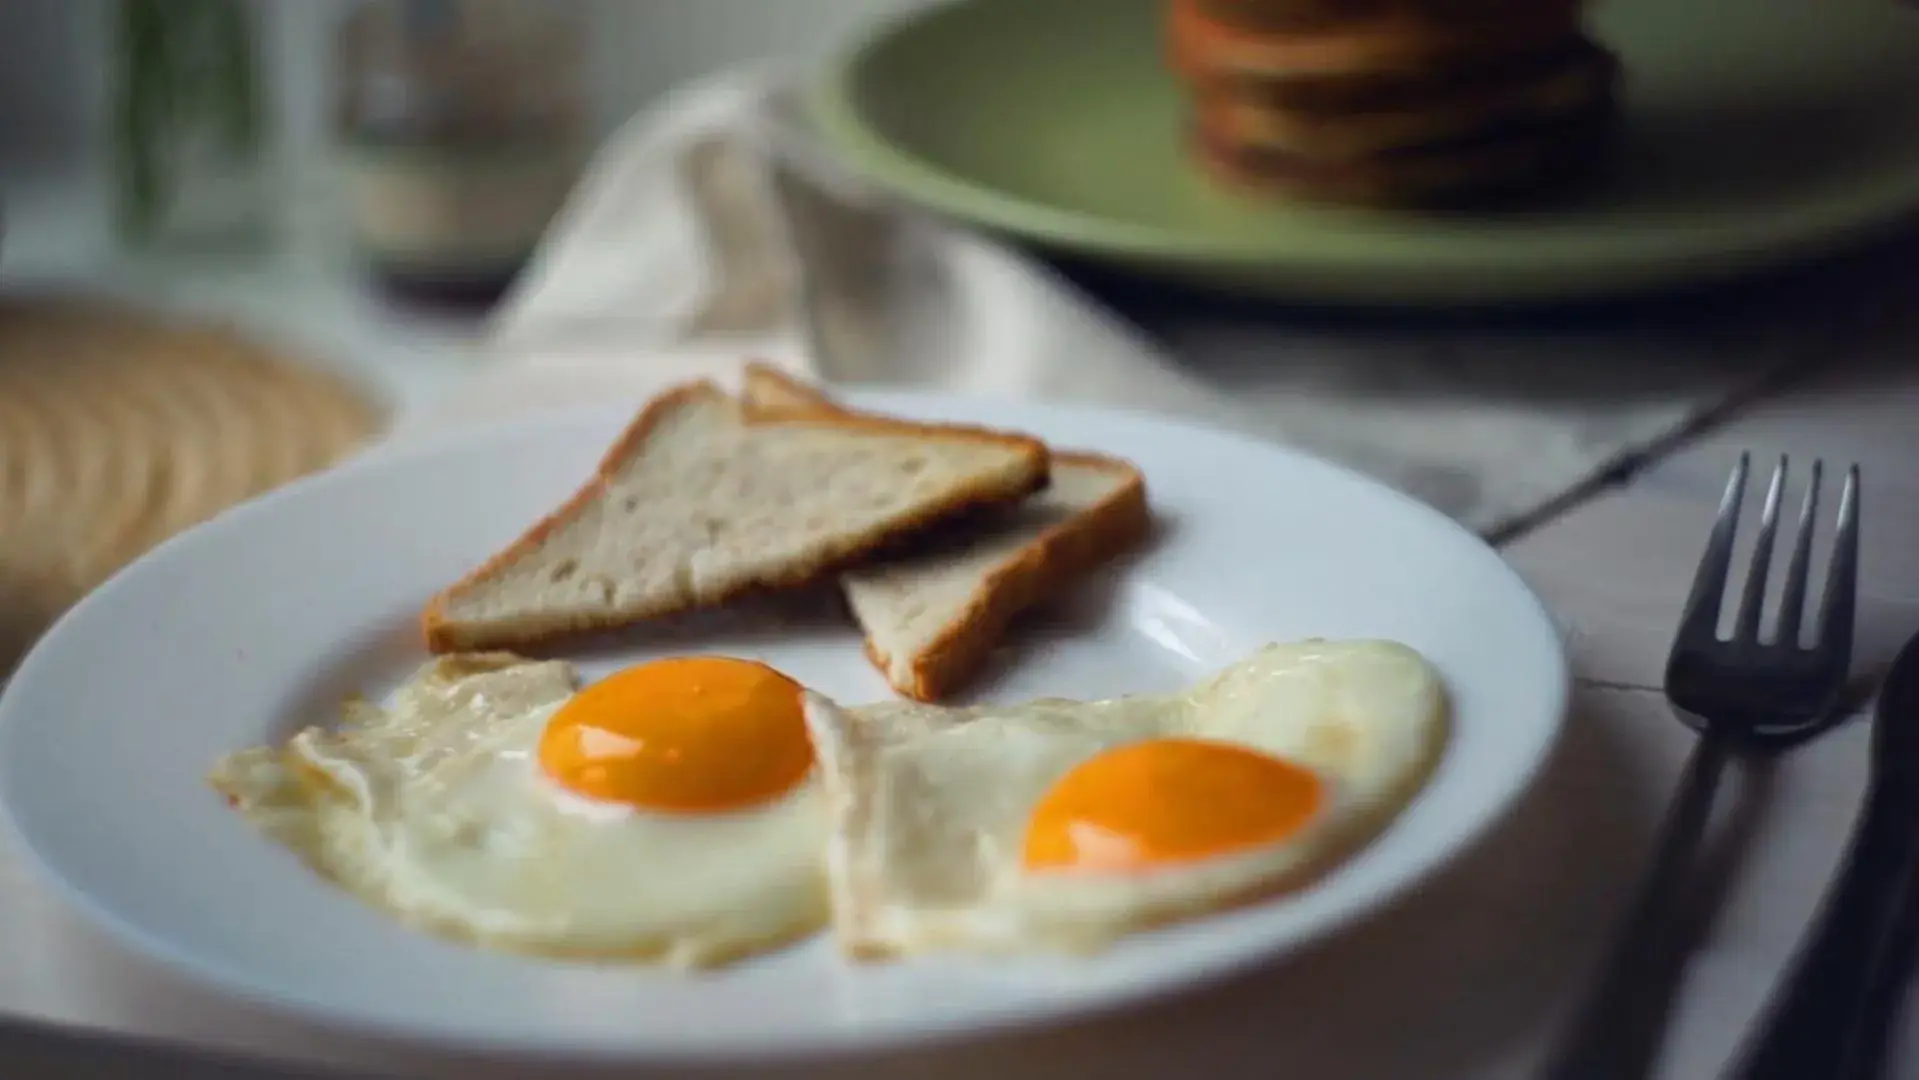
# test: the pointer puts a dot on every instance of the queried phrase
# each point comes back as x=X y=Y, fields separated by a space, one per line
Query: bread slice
x=699 y=502
x=932 y=614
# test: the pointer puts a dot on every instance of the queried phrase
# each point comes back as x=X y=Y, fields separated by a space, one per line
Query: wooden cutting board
x=119 y=428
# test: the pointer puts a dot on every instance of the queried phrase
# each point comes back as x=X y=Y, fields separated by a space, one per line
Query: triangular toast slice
x=932 y=614
x=700 y=501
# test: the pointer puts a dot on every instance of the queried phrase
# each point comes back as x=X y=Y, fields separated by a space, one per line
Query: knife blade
x=1896 y=752
x=1838 y=987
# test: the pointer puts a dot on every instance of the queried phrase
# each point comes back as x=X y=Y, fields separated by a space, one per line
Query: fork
x=1743 y=694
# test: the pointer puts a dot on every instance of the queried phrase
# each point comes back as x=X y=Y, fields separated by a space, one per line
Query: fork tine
x=1754 y=602
x=1701 y=619
x=1842 y=581
x=1792 y=605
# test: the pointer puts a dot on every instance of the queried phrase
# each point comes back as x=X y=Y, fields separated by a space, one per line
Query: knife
x=1886 y=986
x=1841 y=985
x=1885 y=994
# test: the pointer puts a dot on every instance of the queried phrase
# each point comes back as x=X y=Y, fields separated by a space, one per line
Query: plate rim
x=240 y=991
x=1551 y=267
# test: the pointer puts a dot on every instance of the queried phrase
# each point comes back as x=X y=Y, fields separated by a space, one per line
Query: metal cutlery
x=1746 y=693
x=1844 y=979
x=1887 y=983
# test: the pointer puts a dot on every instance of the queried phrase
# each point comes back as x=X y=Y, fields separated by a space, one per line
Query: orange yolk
x=1166 y=801
x=697 y=734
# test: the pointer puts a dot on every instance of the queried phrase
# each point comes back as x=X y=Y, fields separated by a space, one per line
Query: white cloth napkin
x=676 y=259
x=684 y=252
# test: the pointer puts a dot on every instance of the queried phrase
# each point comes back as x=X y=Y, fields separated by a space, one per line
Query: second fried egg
x=1060 y=826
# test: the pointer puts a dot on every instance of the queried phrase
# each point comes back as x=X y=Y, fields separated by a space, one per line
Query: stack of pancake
x=1393 y=102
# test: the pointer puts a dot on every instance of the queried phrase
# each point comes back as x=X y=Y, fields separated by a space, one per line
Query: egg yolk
x=695 y=734
x=1167 y=801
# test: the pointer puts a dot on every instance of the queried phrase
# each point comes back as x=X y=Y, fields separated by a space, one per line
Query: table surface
x=1462 y=980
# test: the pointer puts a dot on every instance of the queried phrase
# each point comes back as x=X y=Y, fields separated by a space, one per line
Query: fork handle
x=1646 y=948
x=1821 y=1008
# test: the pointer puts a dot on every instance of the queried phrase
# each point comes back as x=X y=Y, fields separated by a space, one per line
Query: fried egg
x=1061 y=826
x=668 y=813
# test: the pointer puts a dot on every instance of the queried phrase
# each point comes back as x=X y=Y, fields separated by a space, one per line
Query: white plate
x=239 y=630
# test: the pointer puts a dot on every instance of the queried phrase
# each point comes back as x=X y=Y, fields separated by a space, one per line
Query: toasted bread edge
x=1048 y=565
x=442 y=635
x=771 y=396
x=1052 y=563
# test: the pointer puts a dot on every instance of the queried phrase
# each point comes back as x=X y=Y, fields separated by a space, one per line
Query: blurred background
x=245 y=238
x=212 y=209
x=63 y=133
x=53 y=55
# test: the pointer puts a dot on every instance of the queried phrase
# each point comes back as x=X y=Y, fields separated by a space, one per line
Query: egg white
x=434 y=809
x=930 y=805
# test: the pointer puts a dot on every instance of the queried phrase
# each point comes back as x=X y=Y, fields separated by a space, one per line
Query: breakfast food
x=1397 y=102
x=1410 y=38
x=932 y=614
x=700 y=809
x=1474 y=169
x=1574 y=82
x=1320 y=14
x=668 y=813
x=701 y=501
x=1333 y=98
x=1062 y=826
x=697 y=809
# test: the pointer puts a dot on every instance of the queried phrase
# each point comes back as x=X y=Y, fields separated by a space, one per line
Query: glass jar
x=192 y=164
x=461 y=126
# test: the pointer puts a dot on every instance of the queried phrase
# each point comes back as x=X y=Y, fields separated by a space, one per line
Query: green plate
x=1755 y=131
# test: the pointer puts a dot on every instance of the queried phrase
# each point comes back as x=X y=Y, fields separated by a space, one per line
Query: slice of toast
x=700 y=501
x=932 y=614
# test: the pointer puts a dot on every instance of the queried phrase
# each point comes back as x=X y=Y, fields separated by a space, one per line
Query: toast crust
x=444 y=634
x=1052 y=561
x=768 y=391
x=1058 y=558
